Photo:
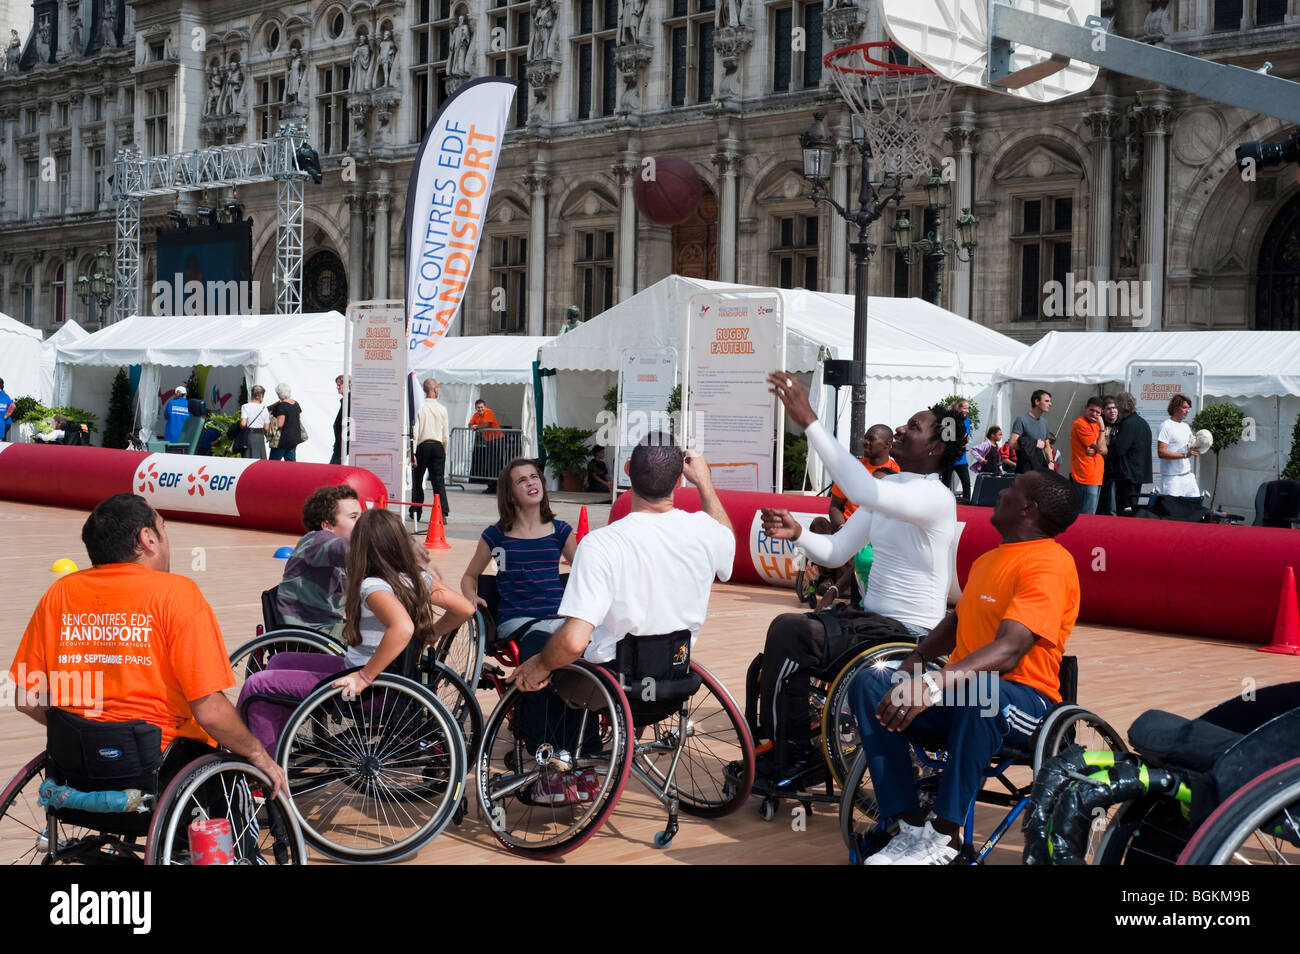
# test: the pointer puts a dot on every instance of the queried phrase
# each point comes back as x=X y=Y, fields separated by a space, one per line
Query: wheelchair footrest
x=56 y=796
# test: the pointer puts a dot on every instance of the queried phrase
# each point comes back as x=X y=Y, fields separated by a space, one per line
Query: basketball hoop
x=899 y=106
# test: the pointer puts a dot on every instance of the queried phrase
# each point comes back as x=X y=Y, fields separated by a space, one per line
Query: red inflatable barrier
x=256 y=494
x=1186 y=578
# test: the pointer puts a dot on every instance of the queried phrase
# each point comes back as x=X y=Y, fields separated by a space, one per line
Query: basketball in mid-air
x=667 y=190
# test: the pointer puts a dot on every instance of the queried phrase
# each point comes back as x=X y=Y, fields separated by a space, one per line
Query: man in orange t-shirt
x=129 y=640
x=484 y=423
x=1005 y=639
x=1088 y=455
x=878 y=441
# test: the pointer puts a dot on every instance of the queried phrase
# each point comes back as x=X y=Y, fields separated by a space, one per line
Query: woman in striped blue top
x=526 y=543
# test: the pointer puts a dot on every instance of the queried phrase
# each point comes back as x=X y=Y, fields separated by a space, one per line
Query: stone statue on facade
x=234 y=97
x=110 y=25
x=361 y=64
x=461 y=39
x=544 y=17
x=730 y=13
x=216 y=89
x=43 y=41
x=630 y=14
x=384 y=61
x=293 y=89
x=77 y=47
x=1130 y=229
x=14 y=53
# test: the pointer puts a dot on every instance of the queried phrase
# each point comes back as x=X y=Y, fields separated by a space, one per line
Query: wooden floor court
x=1122 y=673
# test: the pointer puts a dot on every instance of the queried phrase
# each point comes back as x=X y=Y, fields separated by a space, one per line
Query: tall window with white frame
x=509 y=292
x=155 y=120
x=59 y=285
x=64 y=167
x=796 y=56
x=270 y=98
x=32 y=175
x=594 y=265
x=689 y=28
x=794 y=250
x=332 y=108
x=97 y=176
x=507 y=43
x=1042 y=250
x=430 y=50
x=593 y=52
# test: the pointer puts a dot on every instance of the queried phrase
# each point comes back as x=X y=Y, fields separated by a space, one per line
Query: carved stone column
x=356 y=243
x=625 y=170
x=843 y=153
x=1154 y=113
x=727 y=161
x=13 y=176
x=380 y=255
x=6 y=292
x=38 y=279
x=44 y=189
x=537 y=182
x=965 y=137
x=76 y=201
x=1103 y=124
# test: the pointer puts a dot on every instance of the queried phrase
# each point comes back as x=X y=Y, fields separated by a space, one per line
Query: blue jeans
x=285 y=453
x=1088 y=494
x=1006 y=712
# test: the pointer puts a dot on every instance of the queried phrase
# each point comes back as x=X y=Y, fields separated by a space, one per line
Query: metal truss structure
x=137 y=177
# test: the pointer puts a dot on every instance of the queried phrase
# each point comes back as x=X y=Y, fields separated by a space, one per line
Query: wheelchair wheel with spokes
x=373 y=778
x=859 y=812
x=255 y=655
x=840 y=738
x=552 y=764
x=1146 y=831
x=462 y=651
x=456 y=695
x=1259 y=824
x=262 y=828
x=715 y=771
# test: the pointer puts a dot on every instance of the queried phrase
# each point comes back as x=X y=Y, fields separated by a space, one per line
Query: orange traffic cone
x=435 y=539
x=1286 y=634
x=583 y=529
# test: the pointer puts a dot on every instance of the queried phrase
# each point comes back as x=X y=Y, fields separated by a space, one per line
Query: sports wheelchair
x=552 y=764
x=105 y=793
x=1065 y=725
x=374 y=778
x=1223 y=788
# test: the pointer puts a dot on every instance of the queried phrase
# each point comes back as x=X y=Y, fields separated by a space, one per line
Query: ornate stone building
x=1126 y=182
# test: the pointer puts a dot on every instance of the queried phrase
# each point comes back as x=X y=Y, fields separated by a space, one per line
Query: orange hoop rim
x=867 y=50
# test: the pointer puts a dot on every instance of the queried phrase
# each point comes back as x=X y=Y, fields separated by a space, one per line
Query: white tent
x=20 y=358
x=496 y=368
x=303 y=351
x=70 y=333
x=1257 y=371
x=917 y=352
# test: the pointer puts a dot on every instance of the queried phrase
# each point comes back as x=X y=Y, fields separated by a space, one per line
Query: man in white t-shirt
x=1174 y=448
x=648 y=574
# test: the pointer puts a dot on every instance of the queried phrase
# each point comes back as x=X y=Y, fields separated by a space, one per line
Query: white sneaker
x=897 y=846
x=925 y=846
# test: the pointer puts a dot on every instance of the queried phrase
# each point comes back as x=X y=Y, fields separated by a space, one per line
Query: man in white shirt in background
x=1174 y=448
x=648 y=574
x=430 y=439
x=909 y=518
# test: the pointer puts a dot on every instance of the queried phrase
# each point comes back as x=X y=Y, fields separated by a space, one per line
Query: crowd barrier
x=473 y=457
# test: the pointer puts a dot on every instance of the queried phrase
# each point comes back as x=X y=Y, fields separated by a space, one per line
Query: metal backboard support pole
x=1093 y=42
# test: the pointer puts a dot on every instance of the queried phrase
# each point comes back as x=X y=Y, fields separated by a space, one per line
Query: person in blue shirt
x=6 y=411
x=960 y=467
x=174 y=414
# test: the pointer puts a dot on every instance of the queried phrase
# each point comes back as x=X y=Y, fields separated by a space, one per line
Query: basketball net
x=899 y=107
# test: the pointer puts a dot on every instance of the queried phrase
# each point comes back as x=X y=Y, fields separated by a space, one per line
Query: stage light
x=178 y=219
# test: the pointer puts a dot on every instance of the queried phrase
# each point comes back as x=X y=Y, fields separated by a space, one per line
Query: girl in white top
x=1174 y=448
x=390 y=599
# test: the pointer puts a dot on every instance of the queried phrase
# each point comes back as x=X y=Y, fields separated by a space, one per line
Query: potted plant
x=567 y=454
x=1225 y=424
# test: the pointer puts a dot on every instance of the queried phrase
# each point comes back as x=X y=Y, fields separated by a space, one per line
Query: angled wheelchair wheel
x=263 y=829
x=254 y=655
x=859 y=812
x=462 y=651
x=715 y=771
x=1259 y=824
x=456 y=695
x=1147 y=831
x=373 y=778
x=839 y=740
x=552 y=764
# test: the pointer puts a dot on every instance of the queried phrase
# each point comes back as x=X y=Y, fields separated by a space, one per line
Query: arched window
x=1277 y=296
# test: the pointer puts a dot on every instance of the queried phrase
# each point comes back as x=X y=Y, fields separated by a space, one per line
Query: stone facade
x=1126 y=182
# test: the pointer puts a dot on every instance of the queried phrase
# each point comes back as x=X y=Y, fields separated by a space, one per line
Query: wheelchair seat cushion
x=1165 y=739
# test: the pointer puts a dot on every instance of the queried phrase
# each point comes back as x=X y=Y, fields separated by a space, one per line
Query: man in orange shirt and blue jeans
x=1088 y=455
x=1005 y=640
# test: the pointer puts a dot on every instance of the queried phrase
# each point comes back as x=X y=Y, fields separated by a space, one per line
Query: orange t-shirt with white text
x=1034 y=583
x=1084 y=469
x=134 y=642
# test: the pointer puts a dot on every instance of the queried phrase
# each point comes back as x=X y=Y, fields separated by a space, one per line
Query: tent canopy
x=70 y=333
x=303 y=351
x=20 y=358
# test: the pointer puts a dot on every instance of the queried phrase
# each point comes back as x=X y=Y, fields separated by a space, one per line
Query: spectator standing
x=598 y=472
x=337 y=456
x=960 y=466
x=1110 y=426
x=1088 y=455
x=252 y=418
x=985 y=457
x=484 y=424
x=430 y=440
x=175 y=412
x=6 y=411
x=1174 y=445
x=288 y=414
x=1131 y=453
x=1029 y=434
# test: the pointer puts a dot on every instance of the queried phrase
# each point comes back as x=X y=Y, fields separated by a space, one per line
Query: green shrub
x=1225 y=422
